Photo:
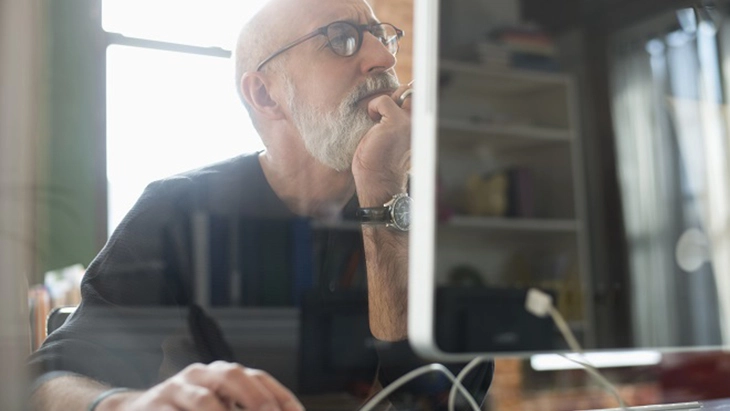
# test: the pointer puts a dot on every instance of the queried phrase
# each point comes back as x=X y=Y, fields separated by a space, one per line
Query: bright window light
x=168 y=112
x=192 y=22
x=554 y=362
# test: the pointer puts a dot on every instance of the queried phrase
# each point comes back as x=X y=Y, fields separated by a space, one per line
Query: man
x=318 y=80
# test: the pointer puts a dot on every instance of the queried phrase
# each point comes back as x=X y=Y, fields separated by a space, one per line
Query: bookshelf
x=511 y=137
x=471 y=133
x=505 y=81
x=515 y=224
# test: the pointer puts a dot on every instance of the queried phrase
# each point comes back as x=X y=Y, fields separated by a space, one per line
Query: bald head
x=277 y=23
x=262 y=33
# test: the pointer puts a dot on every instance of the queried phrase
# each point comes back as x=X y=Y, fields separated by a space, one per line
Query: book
x=520 y=193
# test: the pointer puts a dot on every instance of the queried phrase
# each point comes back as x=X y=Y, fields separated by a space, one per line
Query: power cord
x=540 y=304
x=457 y=385
x=459 y=378
x=537 y=303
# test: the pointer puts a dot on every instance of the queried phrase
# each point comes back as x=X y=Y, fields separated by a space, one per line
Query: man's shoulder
x=214 y=188
x=233 y=166
x=220 y=176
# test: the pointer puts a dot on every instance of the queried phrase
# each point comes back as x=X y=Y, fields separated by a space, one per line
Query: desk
x=717 y=405
x=706 y=405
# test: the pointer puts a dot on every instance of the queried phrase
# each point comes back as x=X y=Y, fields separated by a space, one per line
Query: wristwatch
x=396 y=213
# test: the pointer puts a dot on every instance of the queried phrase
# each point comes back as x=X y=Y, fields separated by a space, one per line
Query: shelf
x=514 y=224
x=501 y=136
x=507 y=81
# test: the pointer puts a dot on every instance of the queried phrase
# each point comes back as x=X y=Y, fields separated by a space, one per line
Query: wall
x=72 y=171
x=400 y=14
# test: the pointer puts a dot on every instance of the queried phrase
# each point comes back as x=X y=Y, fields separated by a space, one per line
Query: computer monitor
x=578 y=147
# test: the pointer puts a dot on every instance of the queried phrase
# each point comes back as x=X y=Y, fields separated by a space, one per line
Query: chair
x=57 y=317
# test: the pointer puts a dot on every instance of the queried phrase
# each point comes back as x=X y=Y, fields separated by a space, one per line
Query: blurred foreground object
x=20 y=68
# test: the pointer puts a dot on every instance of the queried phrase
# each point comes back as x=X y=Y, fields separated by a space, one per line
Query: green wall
x=72 y=168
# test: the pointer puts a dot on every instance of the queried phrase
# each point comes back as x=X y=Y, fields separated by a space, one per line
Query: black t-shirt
x=220 y=238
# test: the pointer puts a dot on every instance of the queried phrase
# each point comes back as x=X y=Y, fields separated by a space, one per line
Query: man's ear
x=255 y=89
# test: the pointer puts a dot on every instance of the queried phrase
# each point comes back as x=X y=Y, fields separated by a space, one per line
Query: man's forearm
x=386 y=255
x=69 y=393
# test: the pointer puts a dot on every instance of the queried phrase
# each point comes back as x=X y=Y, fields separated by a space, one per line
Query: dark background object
x=489 y=320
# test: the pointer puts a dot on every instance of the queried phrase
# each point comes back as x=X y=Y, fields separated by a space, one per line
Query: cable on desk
x=540 y=304
x=417 y=373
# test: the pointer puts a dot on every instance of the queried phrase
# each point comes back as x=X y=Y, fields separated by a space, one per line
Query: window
x=171 y=99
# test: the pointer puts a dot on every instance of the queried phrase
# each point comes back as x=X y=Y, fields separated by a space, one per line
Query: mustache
x=382 y=82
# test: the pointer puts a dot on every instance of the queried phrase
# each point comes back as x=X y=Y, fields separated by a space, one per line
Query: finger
x=407 y=101
x=401 y=89
x=196 y=398
x=404 y=97
x=233 y=382
x=286 y=399
x=383 y=108
x=401 y=94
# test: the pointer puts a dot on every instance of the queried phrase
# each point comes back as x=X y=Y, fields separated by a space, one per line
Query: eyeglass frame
x=322 y=31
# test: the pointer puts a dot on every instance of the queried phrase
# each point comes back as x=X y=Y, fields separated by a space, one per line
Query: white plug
x=538 y=303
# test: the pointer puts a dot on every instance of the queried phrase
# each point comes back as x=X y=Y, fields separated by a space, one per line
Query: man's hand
x=382 y=160
x=219 y=386
x=380 y=168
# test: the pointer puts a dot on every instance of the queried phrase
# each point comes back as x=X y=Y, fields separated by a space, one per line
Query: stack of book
x=508 y=192
x=60 y=288
x=518 y=47
x=39 y=306
x=520 y=193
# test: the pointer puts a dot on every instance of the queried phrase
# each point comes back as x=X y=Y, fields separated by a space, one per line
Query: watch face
x=402 y=213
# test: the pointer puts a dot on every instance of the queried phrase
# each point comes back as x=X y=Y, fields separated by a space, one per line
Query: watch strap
x=373 y=215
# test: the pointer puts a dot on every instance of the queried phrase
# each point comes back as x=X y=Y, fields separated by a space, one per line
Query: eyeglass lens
x=345 y=39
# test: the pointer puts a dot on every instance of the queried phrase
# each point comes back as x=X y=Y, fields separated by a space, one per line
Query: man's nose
x=375 y=57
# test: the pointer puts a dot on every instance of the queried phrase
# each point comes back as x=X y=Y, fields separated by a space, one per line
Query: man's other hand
x=220 y=386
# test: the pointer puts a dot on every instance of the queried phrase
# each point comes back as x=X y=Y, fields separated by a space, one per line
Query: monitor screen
x=576 y=147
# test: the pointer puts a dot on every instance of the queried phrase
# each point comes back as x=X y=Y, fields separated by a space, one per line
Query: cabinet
x=511 y=194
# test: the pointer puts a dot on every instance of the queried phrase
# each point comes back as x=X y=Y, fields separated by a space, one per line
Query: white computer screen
x=587 y=162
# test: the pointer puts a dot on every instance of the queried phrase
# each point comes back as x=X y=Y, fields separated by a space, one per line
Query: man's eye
x=341 y=39
x=344 y=45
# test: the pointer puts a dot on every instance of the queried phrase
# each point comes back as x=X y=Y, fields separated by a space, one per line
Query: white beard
x=332 y=136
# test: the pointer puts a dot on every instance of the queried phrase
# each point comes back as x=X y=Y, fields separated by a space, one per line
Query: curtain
x=671 y=154
x=20 y=38
x=642 y=166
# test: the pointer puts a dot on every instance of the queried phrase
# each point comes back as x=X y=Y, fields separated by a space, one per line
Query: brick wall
x=400 y=14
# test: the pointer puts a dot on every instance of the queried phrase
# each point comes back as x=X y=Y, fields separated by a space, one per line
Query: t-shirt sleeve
x=397 y=359
x=134 y=269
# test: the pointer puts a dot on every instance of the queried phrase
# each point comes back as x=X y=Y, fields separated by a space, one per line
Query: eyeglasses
x=345 y=38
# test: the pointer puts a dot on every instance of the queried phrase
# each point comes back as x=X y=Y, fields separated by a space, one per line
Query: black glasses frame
x=322 y=31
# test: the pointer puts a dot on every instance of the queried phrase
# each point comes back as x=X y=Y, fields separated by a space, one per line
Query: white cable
x=459 y=379
x=565 y=330
x=541 y=304
x=414 y=374
x=575 y=346
x=603 y=380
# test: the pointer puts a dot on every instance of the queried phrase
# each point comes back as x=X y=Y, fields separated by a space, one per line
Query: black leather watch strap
x=373 y=215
